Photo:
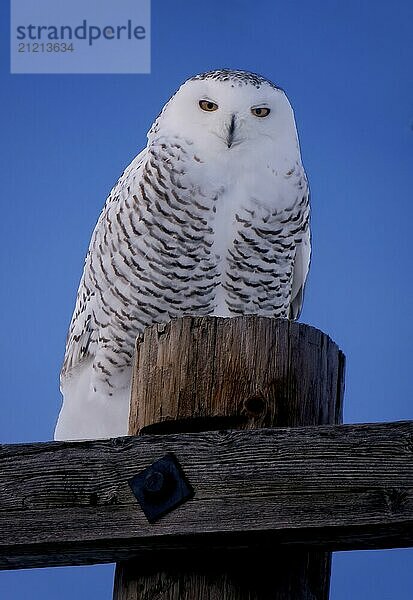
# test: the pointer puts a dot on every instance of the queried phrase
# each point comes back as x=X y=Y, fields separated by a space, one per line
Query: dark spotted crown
x=236 y=77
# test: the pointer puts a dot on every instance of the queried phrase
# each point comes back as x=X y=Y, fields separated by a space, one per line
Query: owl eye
x=208 y=105
x=260 y=111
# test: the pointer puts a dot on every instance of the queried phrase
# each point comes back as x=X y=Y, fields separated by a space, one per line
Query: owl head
x=227 y=111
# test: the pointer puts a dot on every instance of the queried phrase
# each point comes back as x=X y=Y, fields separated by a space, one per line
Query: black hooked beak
x=231 y=129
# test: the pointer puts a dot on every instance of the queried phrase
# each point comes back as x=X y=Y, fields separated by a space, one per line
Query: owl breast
x=226 y=232
x=179 y=236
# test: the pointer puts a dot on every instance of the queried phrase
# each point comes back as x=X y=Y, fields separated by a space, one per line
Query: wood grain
x=331 y=487
x=250 y=371
x=242 y=373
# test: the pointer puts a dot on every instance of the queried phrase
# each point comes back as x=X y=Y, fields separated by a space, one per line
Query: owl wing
x=83 y=330
x=301 y=267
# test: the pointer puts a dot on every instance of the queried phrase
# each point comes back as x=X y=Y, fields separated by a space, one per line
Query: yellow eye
x=208 y=105
x=260 y=111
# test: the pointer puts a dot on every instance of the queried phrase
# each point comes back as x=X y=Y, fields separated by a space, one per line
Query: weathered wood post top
x=252 y=371
x=247 y=372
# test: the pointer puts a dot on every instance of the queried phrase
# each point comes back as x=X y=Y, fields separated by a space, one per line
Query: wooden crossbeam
x=332 y=487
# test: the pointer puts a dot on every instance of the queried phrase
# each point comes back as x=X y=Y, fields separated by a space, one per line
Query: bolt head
x=154 y=483
x=161 y=487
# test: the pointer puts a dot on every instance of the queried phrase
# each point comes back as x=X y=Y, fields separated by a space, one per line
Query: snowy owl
x=211 y=218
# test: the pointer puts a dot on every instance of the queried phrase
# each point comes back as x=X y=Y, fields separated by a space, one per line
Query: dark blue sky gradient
x=347 y=68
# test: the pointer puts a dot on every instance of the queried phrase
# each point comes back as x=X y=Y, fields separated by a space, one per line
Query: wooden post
x=205 y=373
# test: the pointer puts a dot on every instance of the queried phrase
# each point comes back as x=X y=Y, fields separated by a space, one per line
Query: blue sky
x=346 y=67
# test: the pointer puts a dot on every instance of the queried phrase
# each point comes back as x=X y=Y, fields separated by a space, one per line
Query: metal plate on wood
x=161 y=487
